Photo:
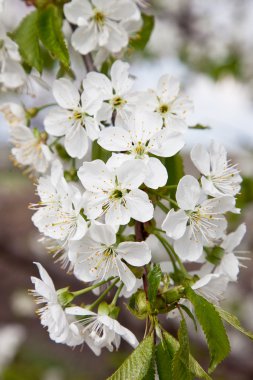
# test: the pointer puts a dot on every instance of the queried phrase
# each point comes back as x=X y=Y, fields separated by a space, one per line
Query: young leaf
x=154 y=279
x=27 y=38
x=233 y=321
x=180 y=363
x=138 y=365
x=212 y=326
x=140 y=40
x=50 y=34
x=170 y=345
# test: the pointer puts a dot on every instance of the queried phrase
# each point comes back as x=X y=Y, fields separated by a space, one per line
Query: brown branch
x=89 y=64
x=140 y=235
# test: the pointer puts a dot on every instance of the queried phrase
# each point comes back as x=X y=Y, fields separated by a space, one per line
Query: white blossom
x=212 y=287
x=52 y=315
x=12 y=74
x=115 y=193
x=230 y=262
x=219 y=175
x=30 y=147
x=99 y=23
x=115 y=94
x=170 y=104
x=100 y=330
x=14 y=113
x=73 y=118
x=142 y=136
x=99 y=257
x=196 y=223
x=58 y=212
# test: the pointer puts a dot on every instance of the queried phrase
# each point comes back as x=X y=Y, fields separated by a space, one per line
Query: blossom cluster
x=110 y=217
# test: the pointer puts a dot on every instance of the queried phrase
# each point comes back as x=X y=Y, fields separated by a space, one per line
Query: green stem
x=99 y=299
x=86 y=290
x=169 y=200
x=162 y=241
x=46 y=106
x=55 y=142
x=162 y=207
x=115 y=298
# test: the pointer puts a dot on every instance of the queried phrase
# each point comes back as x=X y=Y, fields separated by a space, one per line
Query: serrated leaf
x=99 y=153
x=154 y=279
x=212 y=326
x=164 y=355
x=27 y=38
x=172 y=345
x=233 y=321
x=180 y=362
x=189 y=313
x=140 y=40
x=138 y=365
x=50 y=34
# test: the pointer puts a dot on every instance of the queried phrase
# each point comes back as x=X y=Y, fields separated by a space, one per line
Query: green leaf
x=27 y=38
x=170 y=346
x=180 y=362
x=140 y=40
x=50 y=34
x=99 y=153
x=175 y=169
x=138 y=366
x=200 y=126
x=164 y=355
x=189 y=313
x=233 y=321
x=212 y=326
x=154 y=279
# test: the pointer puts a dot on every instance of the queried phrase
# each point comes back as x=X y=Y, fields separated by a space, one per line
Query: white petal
x=57 y=122
x=115 y=139
x=188 y=192
x=117 y=214
x=76 y=142
x=102 y=234
x=98 y=86
x=187 y=248
x=114 y=325
x=136 y=254
x=175 y=224
x=233 y=239
x=218 y=156
x=131 y=174
x=220 y=205
x=45 y=276
x=84 y=38
x=95 y=176
x=78 y=11
x=120 y=77
x=166 y=143
x=157 y=175
x=65 y=93
x=201 y=159
x=139 y=205
x=118 y=37
x=76 y=310
x=168 y=88
x=125 y=274
x=229 y=266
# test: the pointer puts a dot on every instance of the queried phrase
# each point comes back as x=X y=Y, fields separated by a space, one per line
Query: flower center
x=139 y=149
x=99 y=18
x=116 y=194
x=118 y=102
x=164 y=108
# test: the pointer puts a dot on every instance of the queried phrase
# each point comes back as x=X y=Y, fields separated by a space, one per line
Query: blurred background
x=208 y=45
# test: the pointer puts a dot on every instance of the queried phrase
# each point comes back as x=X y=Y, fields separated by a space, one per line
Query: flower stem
x=99 y=299
x=86 y=290
x=115 y=298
